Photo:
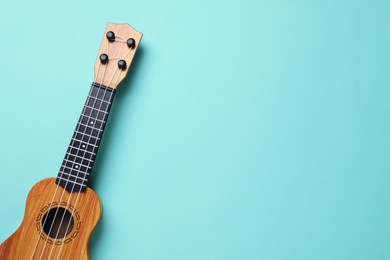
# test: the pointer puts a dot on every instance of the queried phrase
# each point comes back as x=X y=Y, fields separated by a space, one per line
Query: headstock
x=120 y=42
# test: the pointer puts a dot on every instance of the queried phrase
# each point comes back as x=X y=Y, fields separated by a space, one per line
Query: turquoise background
x=245 y=129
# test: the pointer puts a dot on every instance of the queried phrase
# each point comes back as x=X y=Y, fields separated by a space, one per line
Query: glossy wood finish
x=86 y=210
x=109 y=74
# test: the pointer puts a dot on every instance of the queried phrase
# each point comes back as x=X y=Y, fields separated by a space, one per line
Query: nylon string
x=106 y=117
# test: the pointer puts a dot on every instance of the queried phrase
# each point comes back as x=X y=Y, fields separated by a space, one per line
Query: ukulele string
x=50 y=205
x=69 y=175
x=79 y=191
x=63 y=191
x=99 y=110
x=74 y=184
x=117 y=58
x=44 y=222
x=78 y=171
x=114 y=72
x=81 y=162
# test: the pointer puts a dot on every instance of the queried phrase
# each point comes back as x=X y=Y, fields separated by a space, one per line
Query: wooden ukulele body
x=30 y=241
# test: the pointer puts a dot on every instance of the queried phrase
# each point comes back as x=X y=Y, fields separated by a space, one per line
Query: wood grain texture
x=86 y=211
x=109 y=74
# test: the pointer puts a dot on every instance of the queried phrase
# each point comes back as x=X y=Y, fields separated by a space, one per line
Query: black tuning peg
x=122 y=64
x=110 y=36
x=131 y=43
x=103 y=58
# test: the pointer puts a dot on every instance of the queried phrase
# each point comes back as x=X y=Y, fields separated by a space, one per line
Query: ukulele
x=62 y=212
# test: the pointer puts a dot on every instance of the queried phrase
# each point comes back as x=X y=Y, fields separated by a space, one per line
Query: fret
x=82 y=142
x=71 y=169
x=94 y=113
x=100 y=111
x=71 y=146
x=92 y=118
x=81 y=124
x=85 y=138
x=79 y=157
x=101 y=93
x=85 y=134
x=88 y=130
x=101 y=100
x=77 y=163
x=58 y=177
x=81 y=153
x=91 y=102
x=73 y=176
x=91 y=122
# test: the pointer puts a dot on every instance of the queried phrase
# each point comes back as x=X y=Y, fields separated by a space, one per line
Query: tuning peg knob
x=122 y=64
x=131 y=43
x=110 y=36
x=103 y=58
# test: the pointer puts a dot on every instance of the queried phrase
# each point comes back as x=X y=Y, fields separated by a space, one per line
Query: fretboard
x=77 y=166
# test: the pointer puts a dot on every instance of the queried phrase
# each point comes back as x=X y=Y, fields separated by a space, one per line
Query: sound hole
x=54 y=227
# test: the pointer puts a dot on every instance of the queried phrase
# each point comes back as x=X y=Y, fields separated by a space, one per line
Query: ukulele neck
x=77 y=165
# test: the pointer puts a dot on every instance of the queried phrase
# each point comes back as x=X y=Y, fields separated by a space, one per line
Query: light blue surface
x=246 y=129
